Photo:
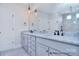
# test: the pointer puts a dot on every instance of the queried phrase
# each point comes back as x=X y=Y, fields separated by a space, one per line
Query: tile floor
x=14 y=52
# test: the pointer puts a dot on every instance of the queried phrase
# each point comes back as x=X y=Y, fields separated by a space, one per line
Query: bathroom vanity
x=39 y=44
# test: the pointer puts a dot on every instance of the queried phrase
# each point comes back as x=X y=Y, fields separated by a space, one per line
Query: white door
x=6 y=33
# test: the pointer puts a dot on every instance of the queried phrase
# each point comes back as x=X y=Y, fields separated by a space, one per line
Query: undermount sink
x=74 y=34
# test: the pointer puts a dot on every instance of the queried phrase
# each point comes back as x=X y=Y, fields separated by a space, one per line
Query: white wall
x=49 y=17
x=12 y=18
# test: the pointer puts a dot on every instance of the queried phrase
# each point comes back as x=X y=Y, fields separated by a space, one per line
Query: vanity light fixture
x=29 y=8
x=35 y=11
x=30 y=11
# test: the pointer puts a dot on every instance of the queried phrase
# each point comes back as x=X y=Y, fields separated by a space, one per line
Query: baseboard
x=11 y=49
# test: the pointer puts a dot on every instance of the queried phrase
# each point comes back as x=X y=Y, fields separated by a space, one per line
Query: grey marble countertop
x=65 y=39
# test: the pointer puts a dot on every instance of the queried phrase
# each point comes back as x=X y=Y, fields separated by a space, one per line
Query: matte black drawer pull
x=50 y=53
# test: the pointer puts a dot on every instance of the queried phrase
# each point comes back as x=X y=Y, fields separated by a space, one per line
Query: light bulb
x=35 y=14
x=29 y=11
x=35 y=11
x=29 y=8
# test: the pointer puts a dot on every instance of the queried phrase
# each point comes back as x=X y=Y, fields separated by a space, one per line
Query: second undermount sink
x=41 y=32
x=73 y=34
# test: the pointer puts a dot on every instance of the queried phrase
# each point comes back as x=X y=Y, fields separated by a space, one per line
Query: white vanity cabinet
x=41 y=46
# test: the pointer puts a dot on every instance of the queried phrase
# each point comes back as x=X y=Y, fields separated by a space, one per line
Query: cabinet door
x=54 y=52
x=24 y=41
x=32 y=52
x=33 y=42
x=41 y=50
x=31 y=46
x=28 y=47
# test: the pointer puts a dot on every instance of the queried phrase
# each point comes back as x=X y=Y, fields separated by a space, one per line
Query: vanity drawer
x=63 y=47
x=54 y=52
